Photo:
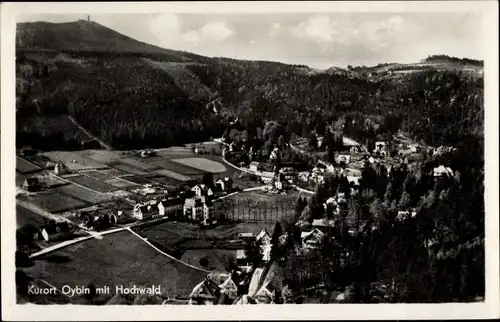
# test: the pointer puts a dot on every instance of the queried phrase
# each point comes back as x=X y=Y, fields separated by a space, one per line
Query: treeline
x=432 y=254
x=129 y=104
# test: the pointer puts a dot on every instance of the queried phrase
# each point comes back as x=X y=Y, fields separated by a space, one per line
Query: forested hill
x=135 y=95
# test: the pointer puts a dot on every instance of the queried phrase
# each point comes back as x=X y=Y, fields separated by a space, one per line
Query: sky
x=318 y=40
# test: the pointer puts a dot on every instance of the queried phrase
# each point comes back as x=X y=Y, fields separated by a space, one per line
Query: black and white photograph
x=231 y=158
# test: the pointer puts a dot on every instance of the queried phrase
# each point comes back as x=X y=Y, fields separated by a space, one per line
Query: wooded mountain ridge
x=134 y=95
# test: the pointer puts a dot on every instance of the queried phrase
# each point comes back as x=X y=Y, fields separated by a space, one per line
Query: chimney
x=88 y=18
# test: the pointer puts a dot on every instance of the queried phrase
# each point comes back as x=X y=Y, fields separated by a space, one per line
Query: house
x=371 y=160
x=304 y=176
x=270 y=284
x=56 y=231
x=278 y=185
x=379 y=146
x=323 y=223
x=442 y=171
x=312 y=239
x=354 y=180
x=414 y=148
x=201 y=190
x=27 y=152
x=32 y=184
x=275 y=154
x=264 y=240
x=344 y=158
x=324 y=167
x=199 y=209
x=319 y=141
x=225 y=184
x=405 y=214
x=143 y=211
x=355 y=149
x=253 y=166
x=147 y=153
x=60 y=169
x=241 y=260
x=204 y=293
x=214 y=289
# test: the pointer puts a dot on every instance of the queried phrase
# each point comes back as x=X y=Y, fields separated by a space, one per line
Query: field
x=56 y=202
x=24 y=166
x=174 y=175
x=217 y=258
x=140 y=180
x=255 y=206
x=118 y=259
x=82 y=193
x=176 y=166
x=98 y=175
x=202 y=164
x=119 y=183
x=127 y=168
x=93 y=184
x=81 y=162
x=184 y=236
x=25 y=216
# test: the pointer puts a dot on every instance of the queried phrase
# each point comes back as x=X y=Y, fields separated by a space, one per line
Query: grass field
x=177 y=167
x=24 y=166
x=174 y=175
x=82 y=193
x=217 y=258
x=202 y=164
x=81 y=162
x=25 y=216
x=119 y=183
x=113 y=172
x=127 y=168
x=138 y=179
x=93 y=184
x=55 y=202
x=116 y=259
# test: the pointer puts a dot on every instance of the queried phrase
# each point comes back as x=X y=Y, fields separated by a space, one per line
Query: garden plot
x=203 y=164
x=74 y=160
x=120 y=183
x=117 y=259
x=24 y=166
x=93 y=184
x=83 y=194
x=54 y=201
x=97 y=175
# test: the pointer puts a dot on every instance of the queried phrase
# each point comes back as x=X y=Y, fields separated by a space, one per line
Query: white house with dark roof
x=312 y=239
x=225 y=184
x=264 y=240
x=442 y=171
x=201 y=190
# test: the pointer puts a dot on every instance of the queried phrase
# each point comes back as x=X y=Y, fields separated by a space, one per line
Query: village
x=247 y=278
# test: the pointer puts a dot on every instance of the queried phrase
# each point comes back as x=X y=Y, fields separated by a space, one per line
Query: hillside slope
x=132 y=95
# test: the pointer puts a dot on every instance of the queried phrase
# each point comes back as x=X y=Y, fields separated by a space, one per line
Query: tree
x=204 y=262
x=405 y=200
x=312 y=141
x=208 y=179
